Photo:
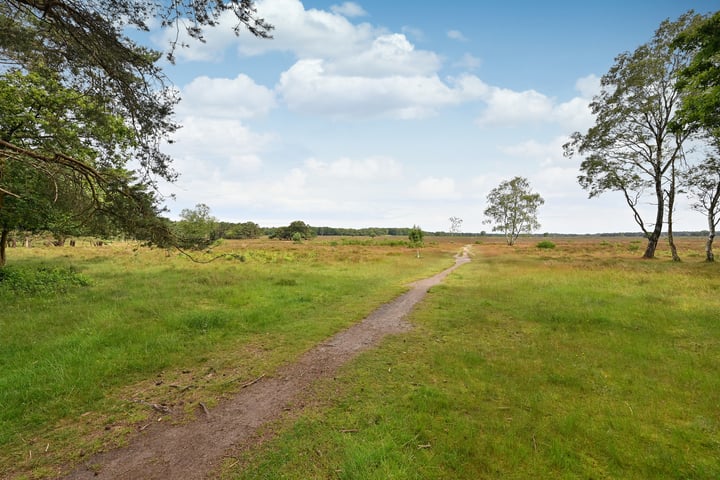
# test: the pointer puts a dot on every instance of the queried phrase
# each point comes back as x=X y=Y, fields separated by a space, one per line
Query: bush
x=545 y=244
x=415 y=236
x=44 y=280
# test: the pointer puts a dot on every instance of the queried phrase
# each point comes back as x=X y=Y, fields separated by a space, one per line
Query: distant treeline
x=248 y=230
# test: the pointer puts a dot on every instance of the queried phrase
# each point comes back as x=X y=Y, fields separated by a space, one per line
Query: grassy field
x=75 y=362
x=580 y=361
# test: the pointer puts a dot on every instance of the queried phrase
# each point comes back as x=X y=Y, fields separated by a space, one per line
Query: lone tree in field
x=637 y=142
x=196 y=228
x=79 y=100
x=455 y=225
x=512 y=208
x=415 y=236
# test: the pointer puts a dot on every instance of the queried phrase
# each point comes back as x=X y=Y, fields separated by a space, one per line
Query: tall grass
x=580 y=362
x=167 y=330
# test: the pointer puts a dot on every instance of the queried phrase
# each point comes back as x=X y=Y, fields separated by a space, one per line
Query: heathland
x=578 y=361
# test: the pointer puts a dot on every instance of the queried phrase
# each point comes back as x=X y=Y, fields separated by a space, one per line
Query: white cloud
x=217 y=40
x=309 y=33
x=557 y=183
x=388 y=55
x=543 y=153
x=348 y=9
x=305 y=33
x=456 y=35
x=207 y=147
x=436 y=188
x=308 y=87
x=508 y=107
x=574 y=114
x=372 y=168
x=511 y=108
x=588 y=86
x=239 y=97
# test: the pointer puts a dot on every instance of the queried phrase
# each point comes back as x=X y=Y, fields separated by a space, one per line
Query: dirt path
x=192 y=450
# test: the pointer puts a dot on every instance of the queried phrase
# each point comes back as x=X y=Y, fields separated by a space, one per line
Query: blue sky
x=377 y=113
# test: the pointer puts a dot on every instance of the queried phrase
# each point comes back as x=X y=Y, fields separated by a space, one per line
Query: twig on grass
x=252 y=382
x=155 y=406
x=245 y=385
x=205 y=409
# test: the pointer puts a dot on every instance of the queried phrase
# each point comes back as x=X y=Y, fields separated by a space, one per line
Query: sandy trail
x=195 y=449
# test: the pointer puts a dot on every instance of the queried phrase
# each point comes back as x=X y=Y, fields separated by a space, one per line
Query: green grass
x=141 y=324
x=575 y=363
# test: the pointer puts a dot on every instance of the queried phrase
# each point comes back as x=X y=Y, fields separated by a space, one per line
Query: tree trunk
x=709 y=256
x=651 y=246
x=3 y=243
x=654 y=237
x=671 y=208
x=673 y=248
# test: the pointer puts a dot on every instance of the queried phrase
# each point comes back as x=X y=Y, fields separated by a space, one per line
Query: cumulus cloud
x=372 y=168
x=310 y=32
x=348 y=9
x=304 y=32
x=307 y=86
x=506 y=107
x=558 y=182
x=238 y=97
x=388 y=55
x=544 y=153
x=436 y=188
x=588 y=86
x=206 y=146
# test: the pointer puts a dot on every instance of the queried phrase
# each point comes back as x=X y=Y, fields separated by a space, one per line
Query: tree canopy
x=700 y=80
x=80 y=102
x=636 y=143
x=512 y=208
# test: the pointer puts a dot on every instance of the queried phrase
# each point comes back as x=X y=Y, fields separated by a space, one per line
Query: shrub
x=545 y=244
x=44 y=280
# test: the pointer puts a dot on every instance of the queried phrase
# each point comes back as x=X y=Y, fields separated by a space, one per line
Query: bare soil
x=196 y=449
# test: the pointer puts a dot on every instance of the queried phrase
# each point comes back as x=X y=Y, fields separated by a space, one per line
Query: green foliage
x=246 y=230
x=196 y=228
x=512 y=208
x=545 y=244
x=298 y=227
x=700 y=80
x=415 y=236
x=637 y=139
x=78 y=100
x=39 y=281
x=85 y=188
